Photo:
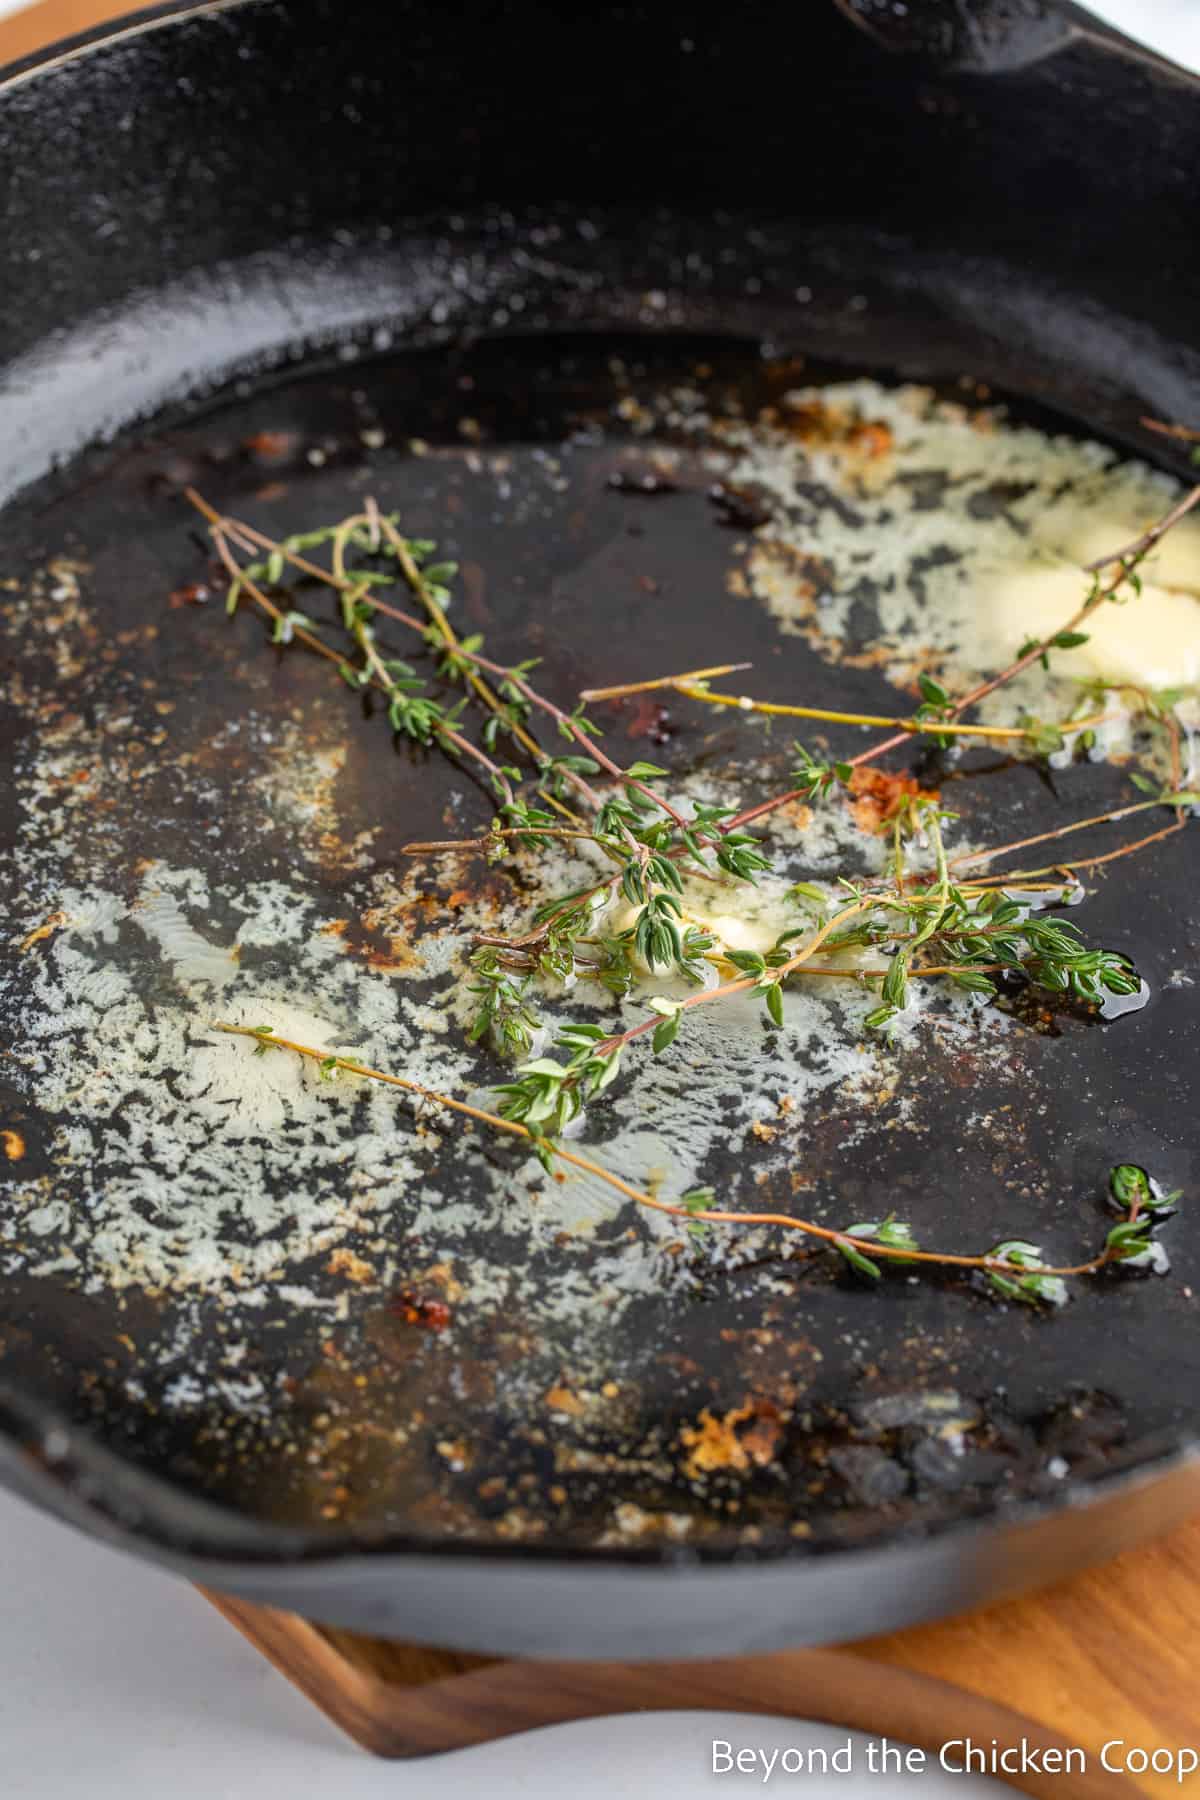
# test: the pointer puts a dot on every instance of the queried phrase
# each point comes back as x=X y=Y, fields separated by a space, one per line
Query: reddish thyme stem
x=379 y=679
x=1183 y=434
x=338 y=579
x=708 y=1215
x=1132 y=553
x=1045 y=837
x=1128 y=558
x=1086 y=862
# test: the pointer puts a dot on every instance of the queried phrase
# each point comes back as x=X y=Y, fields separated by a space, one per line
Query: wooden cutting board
x=44 y=23
x=1110 y=1655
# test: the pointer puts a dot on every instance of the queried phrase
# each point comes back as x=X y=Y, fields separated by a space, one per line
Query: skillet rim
x=65 y=1471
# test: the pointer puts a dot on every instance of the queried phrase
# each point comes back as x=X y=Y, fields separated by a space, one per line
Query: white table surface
x=119 y=1683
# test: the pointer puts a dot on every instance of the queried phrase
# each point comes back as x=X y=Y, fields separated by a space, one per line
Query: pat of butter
x=1150 y=640
x=743 y=934
x=766 y=916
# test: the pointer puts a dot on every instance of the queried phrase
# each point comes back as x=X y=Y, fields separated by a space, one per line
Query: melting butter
x=956 y=537
x=1151 y=640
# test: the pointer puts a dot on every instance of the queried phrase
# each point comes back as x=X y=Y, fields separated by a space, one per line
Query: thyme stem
x=929 y=928
x=1141 y=546
x=1183 y=434
x=301 y=633
x=449 y=636
x=1127 y=560
x=707 y=1215
x=1061 y=831
x=681 y=684
x=443 y=846
x=645 y=687
x=1087 y=862
x=379 y=675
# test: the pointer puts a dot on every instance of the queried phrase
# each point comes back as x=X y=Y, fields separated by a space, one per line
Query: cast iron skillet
x=237 y=217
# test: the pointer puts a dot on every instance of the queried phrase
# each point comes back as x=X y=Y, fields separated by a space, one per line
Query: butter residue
x=956 y=536
x=197 y=1165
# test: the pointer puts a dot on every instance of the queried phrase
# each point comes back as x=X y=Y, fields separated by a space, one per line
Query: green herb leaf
x=807 y=890
x=1032 y=1286
x=1129 y=1185
x=751 y=962
x=858 y=1261
x=895 y=1233
x=894 y=990
x=698 y=1200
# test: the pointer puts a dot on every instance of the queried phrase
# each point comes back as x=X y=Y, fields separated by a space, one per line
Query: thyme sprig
x=411 y=712
x=644 y=853
x=1014 y=1269
x=967 y=930
x=503 y=1013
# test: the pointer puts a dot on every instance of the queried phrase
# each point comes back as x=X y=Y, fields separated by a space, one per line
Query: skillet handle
x=986 y=36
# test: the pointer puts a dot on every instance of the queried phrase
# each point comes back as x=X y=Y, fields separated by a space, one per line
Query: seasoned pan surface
x=324 y=1310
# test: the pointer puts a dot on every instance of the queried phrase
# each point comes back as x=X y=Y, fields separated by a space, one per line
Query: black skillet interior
x=293 y=245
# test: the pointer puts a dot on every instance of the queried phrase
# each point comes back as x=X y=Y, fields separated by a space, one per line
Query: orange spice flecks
x=762 y=1439
x=14 y=1145
x=46 y=929
x=871 y=438
x=354 y=1268
x=269 y=444
x=880 y=795
x=714 y=1443
x=398 y=959
x=417 y=1309
x=442 y=1275
x=560 y=1399
x=837 y=428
